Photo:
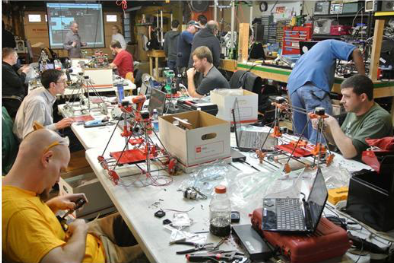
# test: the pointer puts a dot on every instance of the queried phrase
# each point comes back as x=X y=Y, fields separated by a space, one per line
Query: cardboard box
x=99 y=201
x=247 y=101
x=206 y=141
x=100 y=77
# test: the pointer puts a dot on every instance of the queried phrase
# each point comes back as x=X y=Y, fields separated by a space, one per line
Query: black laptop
x=157 y=101
x=293 y=215
x=248 y=140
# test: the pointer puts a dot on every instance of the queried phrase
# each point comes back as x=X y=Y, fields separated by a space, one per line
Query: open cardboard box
x=207 y=140
x=98 y=200
x=247 y=103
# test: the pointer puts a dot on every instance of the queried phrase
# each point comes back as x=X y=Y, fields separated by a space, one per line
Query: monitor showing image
x=88 y=16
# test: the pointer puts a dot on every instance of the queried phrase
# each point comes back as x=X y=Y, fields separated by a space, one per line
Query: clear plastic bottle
x=155 y=120
x=220 y=212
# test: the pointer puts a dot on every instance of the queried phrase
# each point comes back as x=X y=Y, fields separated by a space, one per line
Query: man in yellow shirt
x=30 y=229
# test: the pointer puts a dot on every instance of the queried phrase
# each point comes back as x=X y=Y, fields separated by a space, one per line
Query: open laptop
x=157 y=101
x=249 y=139
x=291 y=215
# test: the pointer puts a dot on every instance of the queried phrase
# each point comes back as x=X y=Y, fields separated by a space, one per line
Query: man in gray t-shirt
x=210 y=77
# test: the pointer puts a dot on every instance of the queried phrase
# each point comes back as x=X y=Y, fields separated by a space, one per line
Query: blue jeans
x=308 y=97
x=172 y=65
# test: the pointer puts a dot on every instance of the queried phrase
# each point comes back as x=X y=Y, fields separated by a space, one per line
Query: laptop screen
x=237 y=121
x=157 y=101
x=317 y=198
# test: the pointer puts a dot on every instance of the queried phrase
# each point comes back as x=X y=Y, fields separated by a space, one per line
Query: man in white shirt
x=38 y=105
x=117 y=36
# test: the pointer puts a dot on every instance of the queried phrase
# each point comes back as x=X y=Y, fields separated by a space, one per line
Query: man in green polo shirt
x=364 y=119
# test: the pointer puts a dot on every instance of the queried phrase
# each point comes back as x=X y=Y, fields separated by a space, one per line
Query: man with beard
x=365 y=119
x=31 y=231
x=209 y=78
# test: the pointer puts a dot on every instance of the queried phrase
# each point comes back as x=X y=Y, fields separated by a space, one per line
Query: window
x=112 y=18
x=33 y=18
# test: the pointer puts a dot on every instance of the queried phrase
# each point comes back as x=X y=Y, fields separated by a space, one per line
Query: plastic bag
x=206 y=178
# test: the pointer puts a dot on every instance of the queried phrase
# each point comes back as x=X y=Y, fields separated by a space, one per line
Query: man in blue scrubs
x=310 y=81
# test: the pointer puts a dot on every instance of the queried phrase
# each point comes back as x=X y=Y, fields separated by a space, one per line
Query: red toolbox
x=339 y=30
x=292 y=37
x=327 y=242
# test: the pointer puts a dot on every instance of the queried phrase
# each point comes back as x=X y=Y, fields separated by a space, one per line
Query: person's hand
x=65 y=202
x=24 y=69
x=191 y=72
x=64 y=123
x=77 y=225
x=74 y=43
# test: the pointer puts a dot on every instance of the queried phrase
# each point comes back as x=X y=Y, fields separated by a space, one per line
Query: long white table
x=137 y=204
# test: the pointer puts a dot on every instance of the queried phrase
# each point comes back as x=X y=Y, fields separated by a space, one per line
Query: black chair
x=12 y=103
x=247 y=80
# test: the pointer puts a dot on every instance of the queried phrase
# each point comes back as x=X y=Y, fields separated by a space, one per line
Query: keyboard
x=289 y=214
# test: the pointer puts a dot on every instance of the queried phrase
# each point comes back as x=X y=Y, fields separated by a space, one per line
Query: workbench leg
x=157 y=68
x=392 y=110
x=151 y=66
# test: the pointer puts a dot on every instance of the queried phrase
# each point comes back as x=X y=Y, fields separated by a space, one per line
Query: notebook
x=293 y=215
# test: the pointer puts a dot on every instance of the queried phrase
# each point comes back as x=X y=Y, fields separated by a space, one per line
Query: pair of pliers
x=197 y=247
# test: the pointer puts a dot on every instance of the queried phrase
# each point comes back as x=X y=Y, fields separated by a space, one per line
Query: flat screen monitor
x=88 y=16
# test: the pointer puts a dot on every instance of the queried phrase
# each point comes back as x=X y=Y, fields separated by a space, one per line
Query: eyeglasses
x=64 y=141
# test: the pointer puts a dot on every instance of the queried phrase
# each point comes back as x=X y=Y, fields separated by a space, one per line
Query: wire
x=179 y=211
x=122 y=3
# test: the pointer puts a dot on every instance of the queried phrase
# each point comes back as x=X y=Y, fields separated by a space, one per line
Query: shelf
x=325 y=37
x=384 y=13
x=342 y=15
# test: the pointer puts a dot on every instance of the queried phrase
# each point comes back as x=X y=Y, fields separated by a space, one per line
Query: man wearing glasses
x=32 y=231
x=38 y=105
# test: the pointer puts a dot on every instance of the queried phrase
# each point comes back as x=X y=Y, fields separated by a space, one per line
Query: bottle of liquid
x=220 y=212
x=155 y=120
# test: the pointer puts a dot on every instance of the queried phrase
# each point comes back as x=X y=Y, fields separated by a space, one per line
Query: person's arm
x=13 y=80
x=166 y=45
x=358 y=61
x=68 y=42
x=191 y=87
x=74 y=249
x=343 y=142
x=216 y=53
x=64 y=202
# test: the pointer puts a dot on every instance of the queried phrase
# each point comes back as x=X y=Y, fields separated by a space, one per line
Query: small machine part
x=320 y=111
x=235 y=217
x=63 y=220
x=160 y=213
x=166 y=222
x=193 y=193
x=169 y=75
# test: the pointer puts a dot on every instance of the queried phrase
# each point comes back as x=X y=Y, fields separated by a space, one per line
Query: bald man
x=29 y=219
x=72 y=42
x=207 y=37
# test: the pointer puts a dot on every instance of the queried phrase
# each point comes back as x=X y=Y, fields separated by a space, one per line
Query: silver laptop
x=250 y=139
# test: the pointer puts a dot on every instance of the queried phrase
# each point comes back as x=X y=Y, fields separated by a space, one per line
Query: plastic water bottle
x=58 y=64
x=155 y=120
x=220 y=212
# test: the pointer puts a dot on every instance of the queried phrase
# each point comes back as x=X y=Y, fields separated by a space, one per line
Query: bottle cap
x=220 y=189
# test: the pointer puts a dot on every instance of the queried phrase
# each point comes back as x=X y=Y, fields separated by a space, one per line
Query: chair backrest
x=247 y=80
x=130 y=76
x=10 y=143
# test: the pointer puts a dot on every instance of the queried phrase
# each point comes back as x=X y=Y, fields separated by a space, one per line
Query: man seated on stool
x=38 y=105
x=209 y=78
x=364 y=119
x=31 y=231
x=123 y=60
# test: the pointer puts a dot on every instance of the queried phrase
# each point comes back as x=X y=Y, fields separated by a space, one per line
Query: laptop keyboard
x=289 y=214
